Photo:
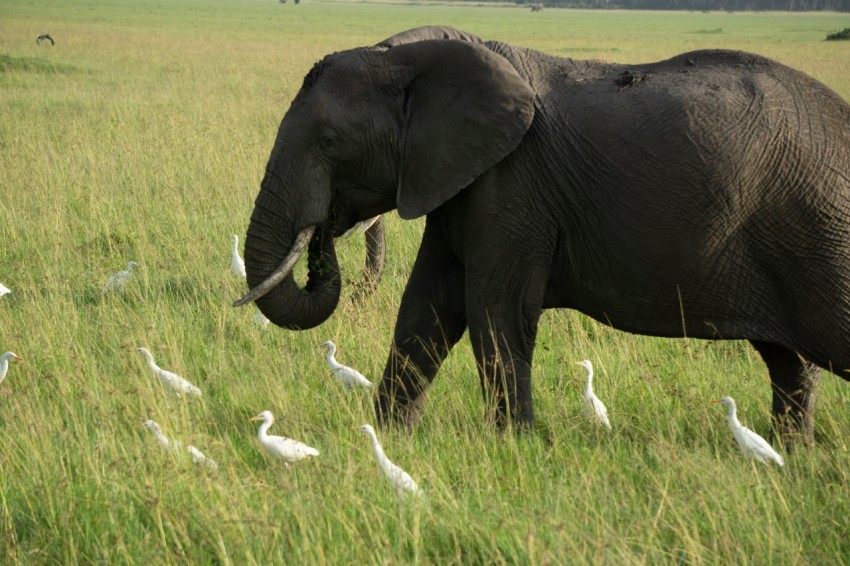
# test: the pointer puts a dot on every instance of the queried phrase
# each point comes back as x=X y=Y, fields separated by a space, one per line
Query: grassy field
x=143 y=134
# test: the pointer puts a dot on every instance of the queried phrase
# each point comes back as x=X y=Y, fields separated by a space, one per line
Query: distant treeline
x=727 y=5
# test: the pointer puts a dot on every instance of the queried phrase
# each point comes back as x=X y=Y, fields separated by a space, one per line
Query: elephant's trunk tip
x=282 y=270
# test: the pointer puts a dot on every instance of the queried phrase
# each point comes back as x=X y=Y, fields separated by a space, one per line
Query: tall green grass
x=143 y=134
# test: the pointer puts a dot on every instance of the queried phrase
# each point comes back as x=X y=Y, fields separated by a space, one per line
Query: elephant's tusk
x=282 y=270
x=361 y=227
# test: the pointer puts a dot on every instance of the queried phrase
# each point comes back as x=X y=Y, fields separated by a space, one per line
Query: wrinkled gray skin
x=707 y=195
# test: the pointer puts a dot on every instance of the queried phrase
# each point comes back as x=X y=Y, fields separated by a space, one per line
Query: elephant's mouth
x=282 y=270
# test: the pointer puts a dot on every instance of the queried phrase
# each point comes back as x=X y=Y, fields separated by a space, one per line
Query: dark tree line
x=728 y=5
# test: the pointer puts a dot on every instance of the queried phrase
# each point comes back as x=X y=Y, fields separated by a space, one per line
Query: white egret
x=400 y=480
x=4 y=363
x=280 y=447
x=156 y=430
x=596 y=407
x=349 y=377
x=169 y=379
x=4 y=290
x=360 y=227
x=750 y=443
x=198 y=457
x=237 y=264
x=117 y=281
x=260 y=320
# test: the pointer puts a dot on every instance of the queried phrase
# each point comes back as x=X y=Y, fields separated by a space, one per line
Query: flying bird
x=169 y=379
x=44 y=37
x=280 y=447
x=750 y=443
x=4 y=290
x=198 y=457
x=117 y=281
x=349 y=377
x=596 y=407
x=237 y=264
x=4 y=363
x=398 y=478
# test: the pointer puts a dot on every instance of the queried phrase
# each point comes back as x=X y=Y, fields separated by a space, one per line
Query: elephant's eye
x=327 y=141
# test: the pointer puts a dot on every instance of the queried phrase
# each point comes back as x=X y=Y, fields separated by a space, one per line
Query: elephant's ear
x=428 y=32
x=463 y=109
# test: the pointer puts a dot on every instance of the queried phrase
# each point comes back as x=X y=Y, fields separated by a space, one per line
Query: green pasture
x=143 y=135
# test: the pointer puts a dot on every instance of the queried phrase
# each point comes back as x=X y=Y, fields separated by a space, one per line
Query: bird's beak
x=577 y=363
x=355 y=427
x=19 y=359
x=716 y=401
x=254 y=419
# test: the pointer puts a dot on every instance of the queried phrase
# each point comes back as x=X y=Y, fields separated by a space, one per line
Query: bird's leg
x=431 y=319
x=794 y=382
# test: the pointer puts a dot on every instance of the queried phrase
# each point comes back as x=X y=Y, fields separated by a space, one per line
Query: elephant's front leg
x=503 y=313
x=431 y=319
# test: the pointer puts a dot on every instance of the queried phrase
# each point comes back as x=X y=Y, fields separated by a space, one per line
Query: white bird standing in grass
x=260 y=320
x=198 y=457
x=349 y=377
x=170 y=380
x=156 y=430
x=280 y=447
x=4 y=290
x=117 y=281
x=750 y=443
x=596 y=407
x=4 y=363
x=237 y=264
x=400 y=480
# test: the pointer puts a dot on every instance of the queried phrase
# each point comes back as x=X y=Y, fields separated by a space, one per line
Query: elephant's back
x=719 y=182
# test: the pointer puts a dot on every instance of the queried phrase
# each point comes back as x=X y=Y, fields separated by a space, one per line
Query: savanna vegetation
x=143 y=134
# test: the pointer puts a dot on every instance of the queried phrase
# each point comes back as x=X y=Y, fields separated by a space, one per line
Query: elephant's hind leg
x=794 y=383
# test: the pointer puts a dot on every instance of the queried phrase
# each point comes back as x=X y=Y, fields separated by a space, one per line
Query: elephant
x=706 y=195
x=376 y=258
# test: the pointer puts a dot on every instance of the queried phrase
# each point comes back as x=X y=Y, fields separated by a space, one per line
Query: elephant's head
x=404 y=125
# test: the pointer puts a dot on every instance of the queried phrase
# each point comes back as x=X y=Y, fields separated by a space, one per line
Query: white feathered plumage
x=398 y=478
x=595 y=406
x=750 y=443
x=169 y=379
x=237 y=264
x=198 y=457
x=349 y=377
x=4 y=363
x=280 y=447
x=117 y=281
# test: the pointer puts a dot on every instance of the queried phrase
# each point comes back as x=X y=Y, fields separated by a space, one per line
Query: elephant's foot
x=407 y=414
x=794 y=382
x=794 y=410
x=517 y=419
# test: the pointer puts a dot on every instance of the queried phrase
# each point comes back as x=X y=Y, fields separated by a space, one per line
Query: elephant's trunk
x=285 y=268
x=269 y=258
